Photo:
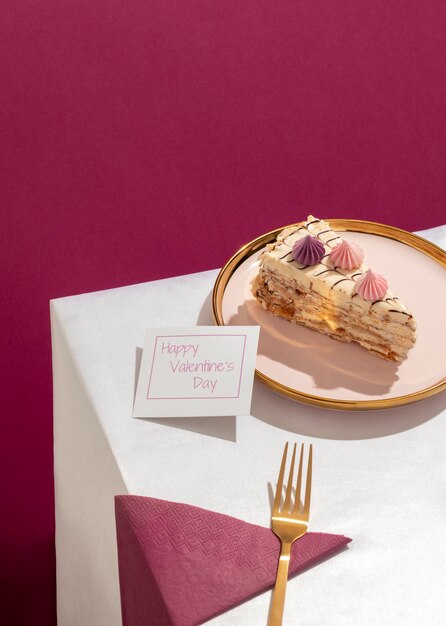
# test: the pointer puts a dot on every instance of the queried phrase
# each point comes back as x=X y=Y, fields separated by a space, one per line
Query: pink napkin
x=180 y=565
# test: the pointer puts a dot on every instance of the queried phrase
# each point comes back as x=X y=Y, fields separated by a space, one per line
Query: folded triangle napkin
x=180 y=565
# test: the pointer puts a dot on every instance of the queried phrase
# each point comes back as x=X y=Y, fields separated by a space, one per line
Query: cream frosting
x=308 y=250
x=339 y=285
x=371 y=286
x=347 y=255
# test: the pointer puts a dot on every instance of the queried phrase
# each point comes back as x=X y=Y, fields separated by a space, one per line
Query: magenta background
x=143 y=139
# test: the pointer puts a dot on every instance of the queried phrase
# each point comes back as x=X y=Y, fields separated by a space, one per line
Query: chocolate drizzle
x=339 y=281
x=304 y=267
x=332 y=239
x=335 y=270
x=325 y=271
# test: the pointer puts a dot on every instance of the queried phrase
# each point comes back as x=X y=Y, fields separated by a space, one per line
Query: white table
x=380 y=477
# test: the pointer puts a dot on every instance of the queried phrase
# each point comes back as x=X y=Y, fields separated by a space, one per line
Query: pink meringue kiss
x=371 y=286
x=308 y=250
x=347 y=255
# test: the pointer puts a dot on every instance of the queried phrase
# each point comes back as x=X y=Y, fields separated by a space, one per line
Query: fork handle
x=278 y=599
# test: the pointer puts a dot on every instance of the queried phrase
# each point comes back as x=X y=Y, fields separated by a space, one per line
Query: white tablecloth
x=379 y=477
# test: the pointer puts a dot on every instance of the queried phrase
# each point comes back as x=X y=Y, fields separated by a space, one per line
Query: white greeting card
x=203 y=370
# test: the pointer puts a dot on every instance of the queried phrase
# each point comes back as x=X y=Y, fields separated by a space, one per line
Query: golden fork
x=288 y=524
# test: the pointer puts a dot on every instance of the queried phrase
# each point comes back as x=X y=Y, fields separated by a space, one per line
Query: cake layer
x=311 y=310
x=289 y=290
x=324 y=297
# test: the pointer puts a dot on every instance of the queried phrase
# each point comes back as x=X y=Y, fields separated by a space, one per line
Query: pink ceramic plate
x=313 y=368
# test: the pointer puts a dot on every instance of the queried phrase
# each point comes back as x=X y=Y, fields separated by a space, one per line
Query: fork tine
x=288 y=525
x=287 y=504
x=278 y=496
x=299 y=481
x=308 y=486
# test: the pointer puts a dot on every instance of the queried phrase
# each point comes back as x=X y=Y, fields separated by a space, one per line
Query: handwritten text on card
x=180 y=364
x=196 y=369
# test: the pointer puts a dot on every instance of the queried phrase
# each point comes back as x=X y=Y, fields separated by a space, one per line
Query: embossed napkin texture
x=180 y=565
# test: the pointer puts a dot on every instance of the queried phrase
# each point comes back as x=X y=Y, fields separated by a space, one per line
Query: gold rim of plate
x=338 y=225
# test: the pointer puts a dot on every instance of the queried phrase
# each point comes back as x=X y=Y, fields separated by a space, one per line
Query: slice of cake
x=312 y=276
